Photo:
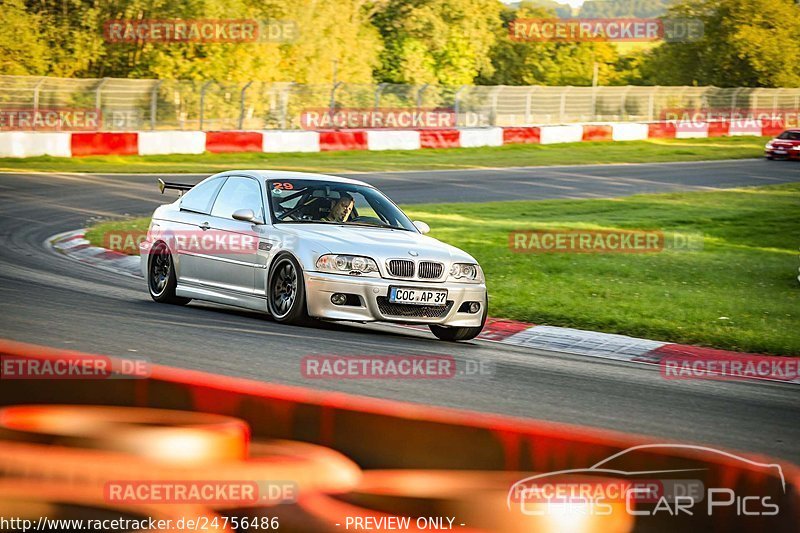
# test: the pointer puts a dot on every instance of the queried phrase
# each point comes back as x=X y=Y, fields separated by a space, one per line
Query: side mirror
x=245 y=215
x=422 y=227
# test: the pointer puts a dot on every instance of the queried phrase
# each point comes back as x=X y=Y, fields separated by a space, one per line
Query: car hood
x=377 y=243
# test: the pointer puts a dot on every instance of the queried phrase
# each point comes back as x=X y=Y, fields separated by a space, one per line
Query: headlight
x=768 y=146
x=796 y=147
x=466 y=272
x=354 y=265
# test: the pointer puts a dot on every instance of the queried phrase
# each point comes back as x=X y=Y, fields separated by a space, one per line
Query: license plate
x=782 y=152
x=417 y=296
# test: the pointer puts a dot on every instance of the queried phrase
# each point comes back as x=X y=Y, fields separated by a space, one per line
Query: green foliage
x=22 y=48
x=750 y=43
x=445 y=42
x=438 y=42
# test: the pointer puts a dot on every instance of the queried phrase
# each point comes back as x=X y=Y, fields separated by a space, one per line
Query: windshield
x=790 y=135
x=330 y=202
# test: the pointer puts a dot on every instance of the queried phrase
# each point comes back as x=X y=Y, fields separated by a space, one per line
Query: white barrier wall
x=474 y=137
x=572 y=133
x=290 y=141
x=32 y=144
x=745 y=127
x=621 y=131
x=685 y=130
x=171 y=142
x=393 y=140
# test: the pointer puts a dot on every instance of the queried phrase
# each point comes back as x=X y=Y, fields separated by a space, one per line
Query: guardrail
x=78 y=144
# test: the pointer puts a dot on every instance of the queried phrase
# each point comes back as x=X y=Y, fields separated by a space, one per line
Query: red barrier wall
x=234 y=141
x=439 y=139
x=719 y=128
x=342 y=140
x=597 y=133
x=772 y=128
x=661 y=130
x=521 y=135
x=104 y=144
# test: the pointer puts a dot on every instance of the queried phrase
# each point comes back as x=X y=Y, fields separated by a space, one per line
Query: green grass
x=450 y=158
x=746 y=271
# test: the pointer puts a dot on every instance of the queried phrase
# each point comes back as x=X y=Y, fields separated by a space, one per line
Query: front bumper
x=372 y=293
x=790 y=154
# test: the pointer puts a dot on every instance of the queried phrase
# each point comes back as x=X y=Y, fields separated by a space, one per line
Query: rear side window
x=200 y=197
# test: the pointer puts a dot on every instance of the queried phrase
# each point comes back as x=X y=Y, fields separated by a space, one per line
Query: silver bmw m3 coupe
x=309 y=246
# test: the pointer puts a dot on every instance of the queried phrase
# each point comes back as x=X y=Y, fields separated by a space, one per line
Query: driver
x=341 y=209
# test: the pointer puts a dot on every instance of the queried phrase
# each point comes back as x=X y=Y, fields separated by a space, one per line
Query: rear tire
x=460 y=333
x=286 y=294
x=161 y=278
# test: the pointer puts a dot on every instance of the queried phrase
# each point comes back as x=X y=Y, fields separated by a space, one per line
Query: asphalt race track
x=50 y=300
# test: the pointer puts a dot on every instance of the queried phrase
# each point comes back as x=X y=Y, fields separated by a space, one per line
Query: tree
x=750 y=43
x=22 y=47
x=547 y=63
x=436 y=41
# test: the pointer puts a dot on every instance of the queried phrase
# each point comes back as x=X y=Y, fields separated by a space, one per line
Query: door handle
x=205 y=225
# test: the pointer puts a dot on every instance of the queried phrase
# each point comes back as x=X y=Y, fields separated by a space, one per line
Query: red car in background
x=784 y=146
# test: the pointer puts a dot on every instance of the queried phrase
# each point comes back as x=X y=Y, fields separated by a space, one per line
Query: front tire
x=161 y=278
x=460 y=333
x=286 y=297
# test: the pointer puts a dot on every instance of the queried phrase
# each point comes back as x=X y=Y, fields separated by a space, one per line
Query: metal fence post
x=528 y=105
x=36 y=96
x=333 y=96
x=97 y=100
x=203 y=102
x=285 y=104
x=378 y=91
x=457 y=101
x=563 y=106
x=624 y=103
x=651 y=103
x=421 y=92
x=241 y=104
x=154 y=103
x=734 y=95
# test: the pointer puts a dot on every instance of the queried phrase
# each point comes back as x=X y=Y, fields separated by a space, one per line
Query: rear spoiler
x=171 y=185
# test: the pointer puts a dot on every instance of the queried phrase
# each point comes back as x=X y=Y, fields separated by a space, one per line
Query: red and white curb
x=73 y=245
x=79 y=144
x=521 y=334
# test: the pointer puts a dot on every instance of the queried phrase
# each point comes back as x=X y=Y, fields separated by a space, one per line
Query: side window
x=238 y=193
x=199 y=198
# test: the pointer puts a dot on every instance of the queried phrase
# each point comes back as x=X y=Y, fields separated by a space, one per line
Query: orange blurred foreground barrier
x=169 y=442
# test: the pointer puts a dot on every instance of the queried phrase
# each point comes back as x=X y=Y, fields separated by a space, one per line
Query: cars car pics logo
x=603 y=489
